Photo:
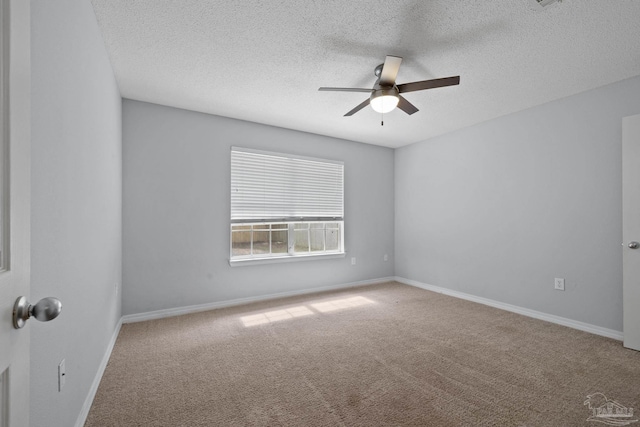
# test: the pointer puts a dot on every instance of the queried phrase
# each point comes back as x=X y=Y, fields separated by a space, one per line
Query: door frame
x=16 y=199
x=630 y=231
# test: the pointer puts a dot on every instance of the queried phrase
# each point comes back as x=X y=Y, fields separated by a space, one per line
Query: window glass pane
x=279 y=226
x=302 y=241
x=261 y=243
x=316 y=237
x=279 y=241
x=301 y=226
x=317 y=225
x=332 y=239
x=241 y=243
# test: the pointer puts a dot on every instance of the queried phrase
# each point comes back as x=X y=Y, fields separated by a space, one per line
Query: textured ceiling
x=263 y=61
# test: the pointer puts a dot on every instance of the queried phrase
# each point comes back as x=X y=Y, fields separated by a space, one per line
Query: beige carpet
x=381 y=355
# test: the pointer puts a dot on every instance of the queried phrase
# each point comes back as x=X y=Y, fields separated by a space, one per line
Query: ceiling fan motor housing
x=384 y=91
x=384 y=98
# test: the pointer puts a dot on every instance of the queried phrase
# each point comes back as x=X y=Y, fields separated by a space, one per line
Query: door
x=15 y=211
x=631 y=231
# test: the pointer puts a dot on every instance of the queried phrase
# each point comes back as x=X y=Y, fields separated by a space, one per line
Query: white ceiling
x=263 y=61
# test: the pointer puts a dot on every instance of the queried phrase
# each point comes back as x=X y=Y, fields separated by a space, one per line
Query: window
x=285 y=206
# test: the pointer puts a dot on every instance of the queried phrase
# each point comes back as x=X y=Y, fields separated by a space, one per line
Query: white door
x=14 y=208
x=631 y=230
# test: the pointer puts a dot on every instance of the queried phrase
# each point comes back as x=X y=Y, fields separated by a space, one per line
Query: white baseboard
x=84 y=412
x=586 y=327
x=170 y=312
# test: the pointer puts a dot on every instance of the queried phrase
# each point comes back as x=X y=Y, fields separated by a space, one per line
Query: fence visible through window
x=282 y=238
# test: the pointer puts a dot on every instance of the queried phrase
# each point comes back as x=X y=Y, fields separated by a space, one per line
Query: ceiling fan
x=385 y=94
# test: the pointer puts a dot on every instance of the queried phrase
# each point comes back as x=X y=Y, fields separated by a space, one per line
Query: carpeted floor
x=381 y=355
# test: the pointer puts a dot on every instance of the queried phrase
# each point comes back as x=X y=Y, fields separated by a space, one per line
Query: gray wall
x=176 y=167
x=500 y=209
x=76 y=204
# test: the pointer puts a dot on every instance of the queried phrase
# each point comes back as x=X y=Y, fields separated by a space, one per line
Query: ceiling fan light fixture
x=384 y=100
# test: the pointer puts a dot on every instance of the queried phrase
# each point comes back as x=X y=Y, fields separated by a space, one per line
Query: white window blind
x=280 y=187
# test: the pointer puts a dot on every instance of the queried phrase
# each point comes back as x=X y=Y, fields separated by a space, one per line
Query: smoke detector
x=543 y=4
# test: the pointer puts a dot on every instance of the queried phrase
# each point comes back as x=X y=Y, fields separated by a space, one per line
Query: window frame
x=258 y=224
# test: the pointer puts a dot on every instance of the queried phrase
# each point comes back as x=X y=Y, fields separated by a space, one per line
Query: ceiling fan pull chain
x=381 y=119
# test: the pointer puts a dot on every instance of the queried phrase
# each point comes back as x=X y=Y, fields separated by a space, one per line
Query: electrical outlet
x=386 y=257
x=62 y=372
x=353 y=261
x=559 y=284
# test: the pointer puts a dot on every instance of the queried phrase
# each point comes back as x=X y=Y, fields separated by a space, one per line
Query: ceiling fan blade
x=390 y=70
x=406 y=106
x=344 y=89
x=358 y=108
x=428 y=84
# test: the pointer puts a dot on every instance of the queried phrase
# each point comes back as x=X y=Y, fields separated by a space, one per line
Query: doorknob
x=634 y=245
x=44 y=310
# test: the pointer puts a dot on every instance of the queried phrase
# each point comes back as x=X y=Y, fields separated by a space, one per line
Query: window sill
x=287 y=258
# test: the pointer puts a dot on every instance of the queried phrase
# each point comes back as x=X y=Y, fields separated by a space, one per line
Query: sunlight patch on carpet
x=341 y=304
x=303 y=310
x=275 y=316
